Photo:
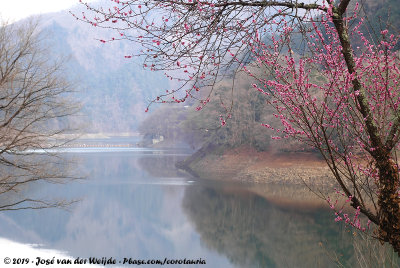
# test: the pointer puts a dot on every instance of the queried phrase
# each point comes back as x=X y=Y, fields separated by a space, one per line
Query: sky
x=13 y=10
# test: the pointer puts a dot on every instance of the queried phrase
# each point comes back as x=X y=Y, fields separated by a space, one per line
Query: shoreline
x=247 y=165
x=290 y=180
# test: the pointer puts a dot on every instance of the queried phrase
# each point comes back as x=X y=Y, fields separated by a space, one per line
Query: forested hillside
x=114 y=90
x=201 y=127
x=382 y=12
x=247 y=106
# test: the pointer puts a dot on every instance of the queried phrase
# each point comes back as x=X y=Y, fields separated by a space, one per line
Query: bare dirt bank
x=248 y=165
x=279 y=177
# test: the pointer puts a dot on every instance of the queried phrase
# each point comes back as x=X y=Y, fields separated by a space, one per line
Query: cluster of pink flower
x=355 y=221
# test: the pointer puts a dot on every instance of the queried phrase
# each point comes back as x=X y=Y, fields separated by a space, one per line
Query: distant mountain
x=380 y=14
x=114 y=90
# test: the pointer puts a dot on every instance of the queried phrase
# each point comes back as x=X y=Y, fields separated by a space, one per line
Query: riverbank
x=248 y=165
x=290 y=180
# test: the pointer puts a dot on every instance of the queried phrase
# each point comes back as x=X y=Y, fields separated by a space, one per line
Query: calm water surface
x=134 y=203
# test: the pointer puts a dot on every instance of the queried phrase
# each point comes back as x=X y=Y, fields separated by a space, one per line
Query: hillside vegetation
x=247 y=107
x=114 y=90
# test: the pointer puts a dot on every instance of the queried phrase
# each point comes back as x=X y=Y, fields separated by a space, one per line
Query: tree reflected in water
x=253 y=232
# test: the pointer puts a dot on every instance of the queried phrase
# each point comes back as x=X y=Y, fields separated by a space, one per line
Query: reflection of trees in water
x=251 y=231
x=21 y=188
x=161 y=165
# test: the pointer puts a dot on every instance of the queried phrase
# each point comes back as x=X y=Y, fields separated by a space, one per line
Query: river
x=134 y=203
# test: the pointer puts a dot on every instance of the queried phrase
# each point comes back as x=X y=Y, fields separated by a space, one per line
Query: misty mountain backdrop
x=114 y=91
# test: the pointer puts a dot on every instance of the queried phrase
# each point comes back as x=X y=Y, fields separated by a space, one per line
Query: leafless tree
x=34 y=104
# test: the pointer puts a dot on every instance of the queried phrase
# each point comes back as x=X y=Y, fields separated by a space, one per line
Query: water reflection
x=161 y=166
x=253 y=232
x=124 y=212
x=30 y=253
x=136 y=204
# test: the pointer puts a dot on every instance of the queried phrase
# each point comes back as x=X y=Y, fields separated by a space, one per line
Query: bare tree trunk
x=388 y=196
x=389 y=202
